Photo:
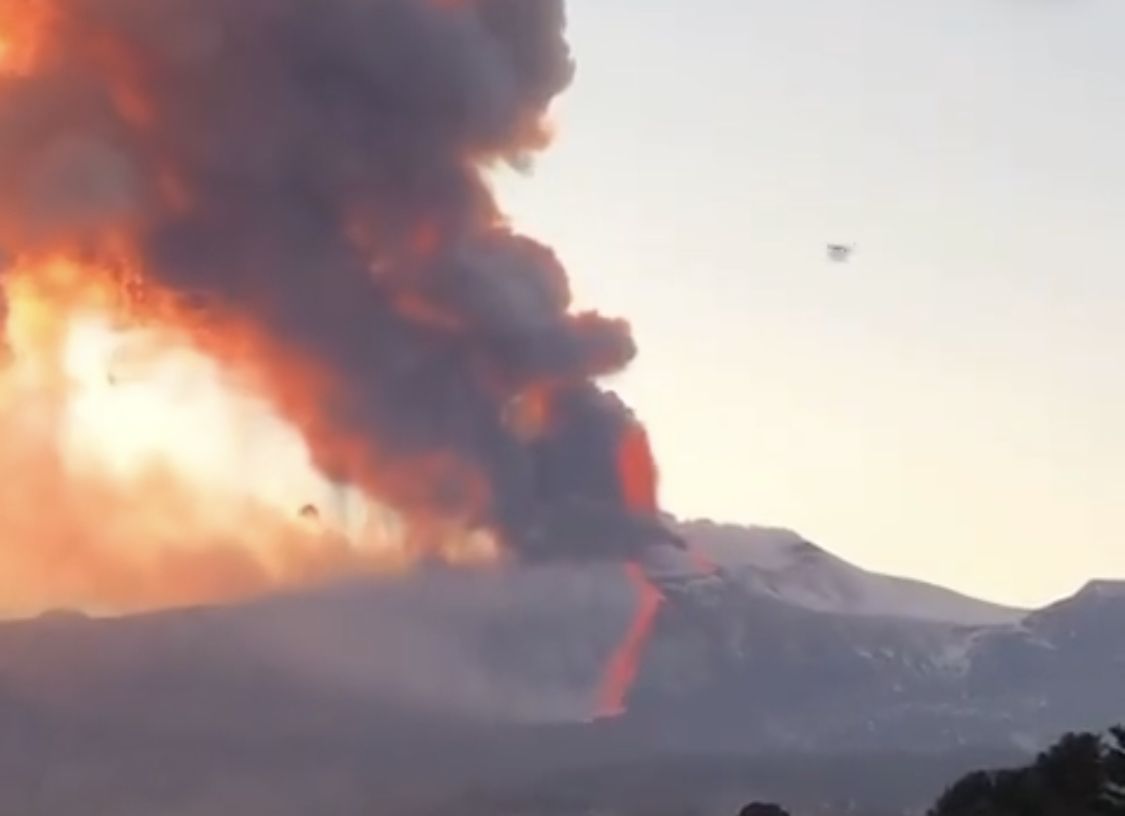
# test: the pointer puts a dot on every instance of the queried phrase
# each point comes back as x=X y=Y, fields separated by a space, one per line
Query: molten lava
x=624 y=664
x=637 y=468
x=638 y=479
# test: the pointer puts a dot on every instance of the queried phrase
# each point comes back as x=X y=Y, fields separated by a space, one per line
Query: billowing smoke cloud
x=305 y=176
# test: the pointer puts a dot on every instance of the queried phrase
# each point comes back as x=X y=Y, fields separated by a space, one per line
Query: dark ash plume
x=314 y=168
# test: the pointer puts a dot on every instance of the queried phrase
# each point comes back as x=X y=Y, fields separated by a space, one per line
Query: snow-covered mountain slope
x=781 y=564
x=741 y=668
x=523 y=643
x=424 y=671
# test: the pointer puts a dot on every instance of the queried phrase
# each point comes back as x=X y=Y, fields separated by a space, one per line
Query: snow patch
x=781 y=564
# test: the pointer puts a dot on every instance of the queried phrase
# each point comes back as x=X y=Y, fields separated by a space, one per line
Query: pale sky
x=950 y=405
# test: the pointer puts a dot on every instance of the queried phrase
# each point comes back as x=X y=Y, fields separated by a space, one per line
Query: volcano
x=252 y=260
x=491 y=679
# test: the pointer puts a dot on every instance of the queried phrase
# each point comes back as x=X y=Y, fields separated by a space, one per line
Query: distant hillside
x=400 y=696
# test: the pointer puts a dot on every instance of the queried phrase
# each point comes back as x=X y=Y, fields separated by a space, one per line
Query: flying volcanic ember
x=229 y=219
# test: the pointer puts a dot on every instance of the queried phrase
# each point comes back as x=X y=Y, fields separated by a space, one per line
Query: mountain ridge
x=486 y=679
x=783 y=563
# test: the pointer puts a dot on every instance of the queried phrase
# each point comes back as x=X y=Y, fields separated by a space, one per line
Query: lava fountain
x=251 y=258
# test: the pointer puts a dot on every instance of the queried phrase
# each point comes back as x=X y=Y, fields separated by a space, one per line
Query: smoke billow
x=303 y=179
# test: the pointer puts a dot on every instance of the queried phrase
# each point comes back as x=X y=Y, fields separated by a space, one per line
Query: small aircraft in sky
x=840 y=253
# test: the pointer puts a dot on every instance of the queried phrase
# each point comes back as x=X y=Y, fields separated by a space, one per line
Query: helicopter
x=840 y=253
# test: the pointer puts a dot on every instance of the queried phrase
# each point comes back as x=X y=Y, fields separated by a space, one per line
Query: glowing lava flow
x=624 y=663
x=636 y=469
x=638 y=477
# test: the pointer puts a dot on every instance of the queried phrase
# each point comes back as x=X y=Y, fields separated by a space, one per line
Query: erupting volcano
x=279 y=208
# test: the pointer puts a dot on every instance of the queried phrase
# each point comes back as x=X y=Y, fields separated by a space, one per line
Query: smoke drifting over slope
x=297 y=186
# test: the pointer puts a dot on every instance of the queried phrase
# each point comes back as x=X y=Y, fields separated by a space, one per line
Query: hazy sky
x=949 y=405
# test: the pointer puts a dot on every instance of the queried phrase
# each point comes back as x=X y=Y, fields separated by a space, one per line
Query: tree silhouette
x=1115 y=768
x=1080 y=775
x=763 y=809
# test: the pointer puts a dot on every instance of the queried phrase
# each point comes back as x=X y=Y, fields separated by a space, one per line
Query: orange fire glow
x=624 y=664
x=21 y=25
x=529 y=414
x=160 y=451
x=139 y=475
x=637 y=470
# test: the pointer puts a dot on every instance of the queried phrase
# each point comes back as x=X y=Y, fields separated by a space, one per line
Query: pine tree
x=1080 y=775
x=1115 y=770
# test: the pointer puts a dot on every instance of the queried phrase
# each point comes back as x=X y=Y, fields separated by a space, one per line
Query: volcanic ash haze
x=293 y=192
